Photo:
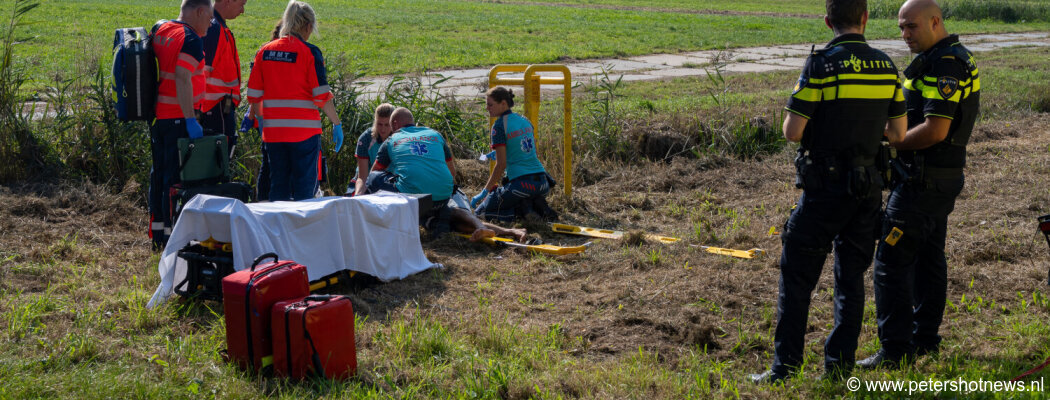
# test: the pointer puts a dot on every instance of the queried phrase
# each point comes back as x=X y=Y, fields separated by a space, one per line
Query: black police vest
x=851 y=118
x=951 y=152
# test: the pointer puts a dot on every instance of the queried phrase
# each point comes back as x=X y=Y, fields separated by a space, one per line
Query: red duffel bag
x=314 y=336
x=247 y=298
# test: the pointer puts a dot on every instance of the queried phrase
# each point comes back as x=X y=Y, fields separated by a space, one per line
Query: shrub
x=87 y=135
x=600 y=131
x=17 y=146
x=973 y=10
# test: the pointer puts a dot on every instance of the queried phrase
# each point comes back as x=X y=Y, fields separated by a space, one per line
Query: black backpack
x=134 y=74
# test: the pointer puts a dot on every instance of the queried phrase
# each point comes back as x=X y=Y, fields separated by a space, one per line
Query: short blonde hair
x=298 y=17
x=382 y=111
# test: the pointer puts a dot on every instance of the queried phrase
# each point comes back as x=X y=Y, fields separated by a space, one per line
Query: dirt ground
x=618 y=297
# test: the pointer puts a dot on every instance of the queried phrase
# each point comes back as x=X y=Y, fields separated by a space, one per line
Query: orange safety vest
x=288 y=77
x=224 y=73
x=176 y=46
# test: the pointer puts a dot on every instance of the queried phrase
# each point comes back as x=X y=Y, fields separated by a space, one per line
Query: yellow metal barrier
x=531 y=82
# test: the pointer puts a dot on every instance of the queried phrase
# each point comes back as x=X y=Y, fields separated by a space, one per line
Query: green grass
x=115 y=348
x=410 y=35
x=763 y=6
x=84 y=331
x=974 y=10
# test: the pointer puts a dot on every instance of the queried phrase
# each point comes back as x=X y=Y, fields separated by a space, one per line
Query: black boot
x=540 y=206
x=883 y=360
x=834 y=373
x=768 y=377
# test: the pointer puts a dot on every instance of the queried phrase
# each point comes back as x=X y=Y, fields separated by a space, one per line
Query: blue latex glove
x=337 y=136
x=477 y=199
x=247 y=123
x=194 y=128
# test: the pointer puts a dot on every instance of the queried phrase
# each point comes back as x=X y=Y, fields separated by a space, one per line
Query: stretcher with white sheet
x=374 y=234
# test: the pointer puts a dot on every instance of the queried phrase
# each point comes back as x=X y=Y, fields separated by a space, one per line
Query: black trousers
x=215 y=122
x=911 y=273
x=823 y=218
x=164 y=134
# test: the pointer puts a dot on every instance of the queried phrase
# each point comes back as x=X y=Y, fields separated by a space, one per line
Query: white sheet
x=375 y=234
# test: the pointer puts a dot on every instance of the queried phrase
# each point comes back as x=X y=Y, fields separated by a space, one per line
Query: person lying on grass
x=464 y=221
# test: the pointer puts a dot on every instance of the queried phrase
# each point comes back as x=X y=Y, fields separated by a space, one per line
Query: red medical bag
x=314 y=336
x=248 y=296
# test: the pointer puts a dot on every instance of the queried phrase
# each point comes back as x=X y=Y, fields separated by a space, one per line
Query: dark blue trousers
x=215 y=122
x=293 y=169
x=515 y=198
x=821 y=219
x=911 y=274
x=164 y=134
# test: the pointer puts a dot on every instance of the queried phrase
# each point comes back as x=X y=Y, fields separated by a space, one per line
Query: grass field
x=743 y=6
x=624 y=320
x=411 y=35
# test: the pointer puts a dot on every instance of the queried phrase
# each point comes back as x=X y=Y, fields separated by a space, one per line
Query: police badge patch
x=799 y=85
x=947 y=86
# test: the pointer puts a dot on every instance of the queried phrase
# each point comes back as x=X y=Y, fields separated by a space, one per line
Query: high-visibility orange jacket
x=222 y=65
x=288 y=77
x=176 y=46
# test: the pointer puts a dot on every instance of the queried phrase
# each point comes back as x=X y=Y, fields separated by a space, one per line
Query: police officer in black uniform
x=847 y=98
x=942 y=91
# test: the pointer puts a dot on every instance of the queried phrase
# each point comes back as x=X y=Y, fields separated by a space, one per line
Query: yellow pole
x=531 y=83
x=532 y=102
x=566 y=80
x=495 y=80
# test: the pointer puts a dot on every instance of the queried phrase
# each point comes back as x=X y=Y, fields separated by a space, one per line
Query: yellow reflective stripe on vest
x=933 y=93
x=818 y=81
x=869 y=77
x=875 y=92
x=808 y=94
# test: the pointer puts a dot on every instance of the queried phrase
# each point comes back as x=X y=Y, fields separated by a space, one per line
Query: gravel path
x=470 y=83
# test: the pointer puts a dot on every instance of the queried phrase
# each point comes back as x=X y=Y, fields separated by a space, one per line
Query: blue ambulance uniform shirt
x=515 y=133
x=418 y=156
x=367 y=148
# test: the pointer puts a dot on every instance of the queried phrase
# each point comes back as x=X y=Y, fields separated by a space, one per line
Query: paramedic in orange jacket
x=180 y=60
x=288 y=82
x=222 y=71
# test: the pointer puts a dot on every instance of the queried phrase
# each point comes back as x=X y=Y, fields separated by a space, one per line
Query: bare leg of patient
x=465 y=222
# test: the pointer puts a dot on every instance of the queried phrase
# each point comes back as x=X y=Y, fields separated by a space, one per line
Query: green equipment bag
x=204 y=161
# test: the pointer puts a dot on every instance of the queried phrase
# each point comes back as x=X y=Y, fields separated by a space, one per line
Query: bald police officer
x=847 y=98
x=942 y=90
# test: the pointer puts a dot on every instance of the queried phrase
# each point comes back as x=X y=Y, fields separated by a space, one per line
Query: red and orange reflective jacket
x=222 y=65
x=177 y=46
x=288 y=77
